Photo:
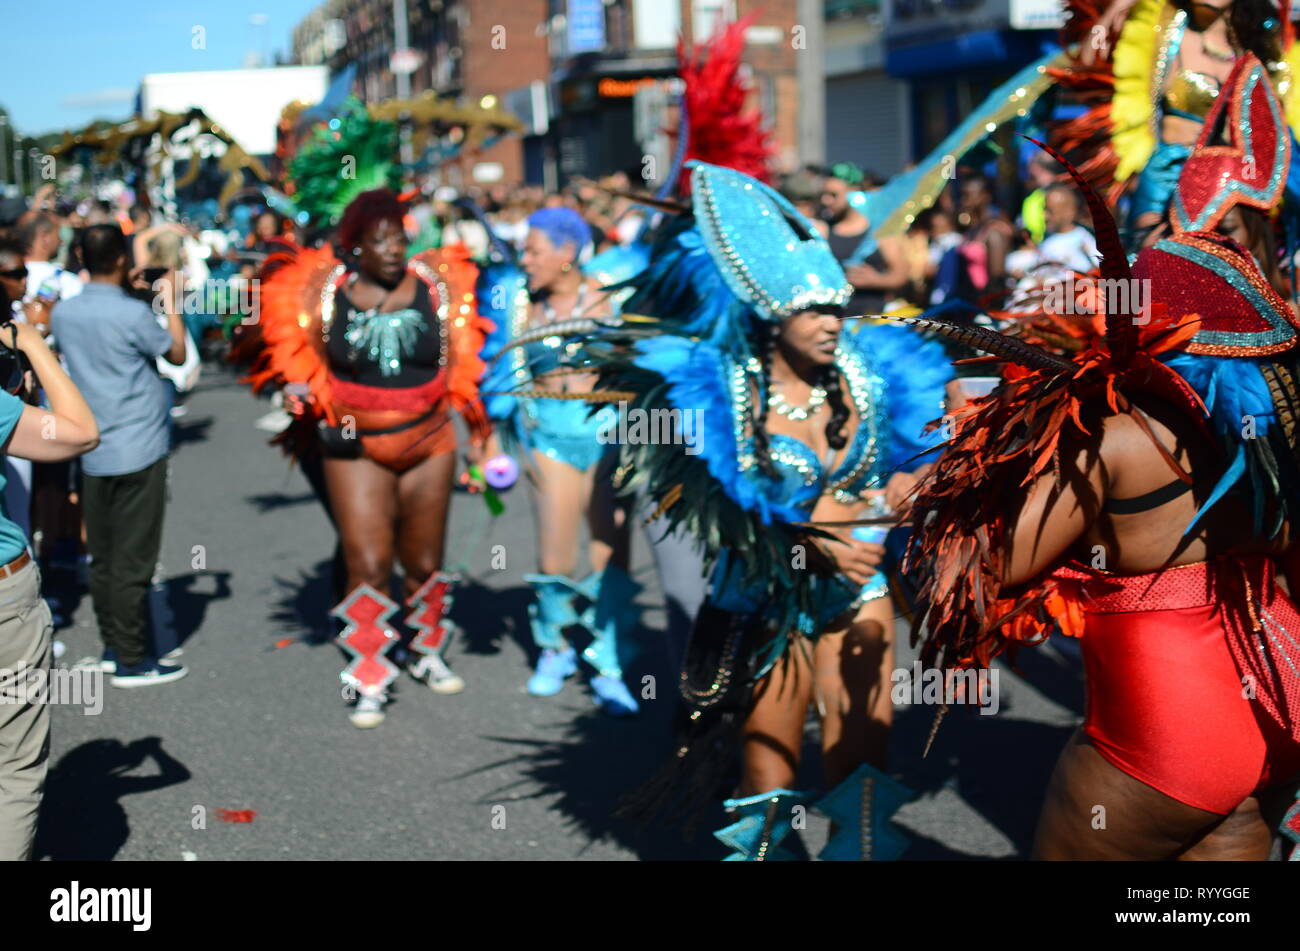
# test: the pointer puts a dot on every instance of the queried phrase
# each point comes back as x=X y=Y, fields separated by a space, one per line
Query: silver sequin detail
x=857 y=473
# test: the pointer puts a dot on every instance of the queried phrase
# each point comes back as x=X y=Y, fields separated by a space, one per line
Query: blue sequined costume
x=752 y=259
x=876 y=360
x=559 y=429
x=717 y=282
x=567 y=430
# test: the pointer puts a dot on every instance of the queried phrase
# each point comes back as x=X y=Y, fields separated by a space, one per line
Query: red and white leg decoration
x=368 y=637
x=433 y=628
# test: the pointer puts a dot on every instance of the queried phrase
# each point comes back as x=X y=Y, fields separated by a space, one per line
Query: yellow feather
x=1133 y=106
x=1289 y=69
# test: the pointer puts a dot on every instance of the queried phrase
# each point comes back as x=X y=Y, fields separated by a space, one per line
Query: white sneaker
x=433 y=670
x=369 y=711
x=148 y=673
x=276 y=421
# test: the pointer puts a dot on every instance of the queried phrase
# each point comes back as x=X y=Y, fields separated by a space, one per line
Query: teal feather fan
x=344 y=157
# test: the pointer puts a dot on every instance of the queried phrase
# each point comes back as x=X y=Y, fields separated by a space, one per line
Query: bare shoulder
x=1134 y=446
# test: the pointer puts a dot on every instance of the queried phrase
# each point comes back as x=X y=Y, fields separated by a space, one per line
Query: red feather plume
x=719 y=129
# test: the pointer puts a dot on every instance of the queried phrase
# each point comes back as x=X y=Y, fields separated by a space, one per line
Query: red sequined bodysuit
x=1193 y=677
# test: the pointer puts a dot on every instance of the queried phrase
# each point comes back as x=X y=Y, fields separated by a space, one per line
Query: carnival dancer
x=794 y=421
x=1150 y=71
x=1146 y=72
x=375 y=353
x=562 y=442
x=1053 y=505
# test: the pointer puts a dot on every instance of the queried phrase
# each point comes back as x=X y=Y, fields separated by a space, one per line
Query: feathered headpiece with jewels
x=1210 y=275
x=769 y=254
x=1242 y=156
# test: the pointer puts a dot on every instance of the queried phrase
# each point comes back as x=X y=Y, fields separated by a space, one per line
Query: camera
x=13 y=362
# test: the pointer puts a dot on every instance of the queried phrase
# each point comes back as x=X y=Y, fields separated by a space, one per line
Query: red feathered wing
x=451 y=267
x=284 y=344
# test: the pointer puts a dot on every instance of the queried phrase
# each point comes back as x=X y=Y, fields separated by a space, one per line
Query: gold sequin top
x=1191 y=94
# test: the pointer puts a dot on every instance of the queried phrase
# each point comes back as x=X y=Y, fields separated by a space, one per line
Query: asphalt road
x=491 y=773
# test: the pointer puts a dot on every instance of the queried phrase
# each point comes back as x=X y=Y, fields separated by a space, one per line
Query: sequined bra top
x=1191 y=95
x=803 y=477
x=547 y=354
x=403 y=348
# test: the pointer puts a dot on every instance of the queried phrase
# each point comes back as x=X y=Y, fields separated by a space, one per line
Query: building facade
x=571 y=69
x=460 y=50
x=868 y=115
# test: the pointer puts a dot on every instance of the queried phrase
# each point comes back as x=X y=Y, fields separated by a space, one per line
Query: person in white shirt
x=1067 y=248
x=1067 y=243
x=47 y=282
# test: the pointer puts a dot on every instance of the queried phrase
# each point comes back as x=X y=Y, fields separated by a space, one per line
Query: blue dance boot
x=610 y=615
x=764 y=820
x=861 y=808
x=549 y=615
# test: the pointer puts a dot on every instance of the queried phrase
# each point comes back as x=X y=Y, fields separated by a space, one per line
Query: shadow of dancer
x=81 y=817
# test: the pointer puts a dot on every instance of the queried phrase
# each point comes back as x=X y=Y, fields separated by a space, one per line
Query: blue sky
x=64 y=63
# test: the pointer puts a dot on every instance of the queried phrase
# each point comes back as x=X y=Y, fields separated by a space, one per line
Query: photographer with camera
x=110 y=341
x=65 y=430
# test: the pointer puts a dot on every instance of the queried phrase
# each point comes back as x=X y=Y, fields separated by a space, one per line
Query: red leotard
x=1193 y=685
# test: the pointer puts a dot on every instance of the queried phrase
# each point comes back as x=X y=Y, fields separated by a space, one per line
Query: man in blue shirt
x=110 y=342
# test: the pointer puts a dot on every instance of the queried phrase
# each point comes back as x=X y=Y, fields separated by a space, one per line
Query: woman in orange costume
x=375 y=353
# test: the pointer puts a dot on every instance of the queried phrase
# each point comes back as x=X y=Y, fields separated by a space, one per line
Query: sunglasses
x=17 y=274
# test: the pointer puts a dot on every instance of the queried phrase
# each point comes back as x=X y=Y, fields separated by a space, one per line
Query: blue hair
x=562 y=225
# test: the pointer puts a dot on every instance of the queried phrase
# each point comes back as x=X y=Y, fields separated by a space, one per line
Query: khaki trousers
x=25 y=644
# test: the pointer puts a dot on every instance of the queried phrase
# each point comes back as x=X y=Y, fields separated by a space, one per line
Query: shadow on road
x=303 y=604
x=189 y=606
x=487 y=616
x=599 y=758
x=190 y=431
x=997 y=764
x=81 y=816
x=271 y=501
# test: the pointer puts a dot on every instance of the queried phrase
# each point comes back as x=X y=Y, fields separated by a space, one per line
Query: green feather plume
x=350 y=154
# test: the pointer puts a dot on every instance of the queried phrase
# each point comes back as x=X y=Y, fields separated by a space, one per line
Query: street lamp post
x=810 y=72
x=401 y=39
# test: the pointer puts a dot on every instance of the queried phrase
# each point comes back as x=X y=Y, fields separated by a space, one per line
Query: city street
x=260 y=725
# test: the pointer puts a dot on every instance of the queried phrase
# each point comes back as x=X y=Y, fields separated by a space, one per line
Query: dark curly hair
x=1247 y=18
x=378 y=204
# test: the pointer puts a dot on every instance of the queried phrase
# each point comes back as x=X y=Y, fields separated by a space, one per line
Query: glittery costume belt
x=409 y=399
x=398 y=426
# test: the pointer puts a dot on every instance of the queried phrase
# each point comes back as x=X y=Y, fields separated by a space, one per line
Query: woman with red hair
x=375 y=352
